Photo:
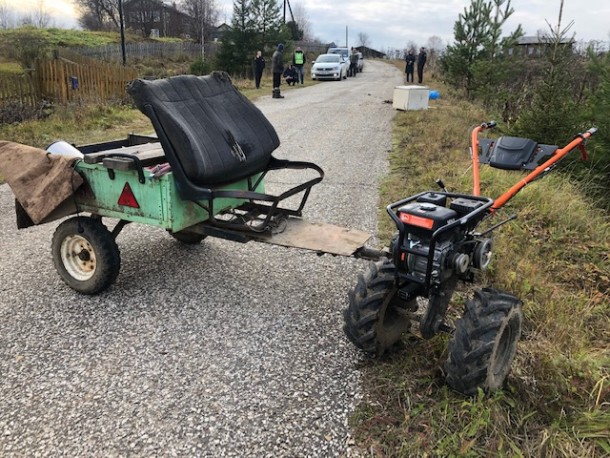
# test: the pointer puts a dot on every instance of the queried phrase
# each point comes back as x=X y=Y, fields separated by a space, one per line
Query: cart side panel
x=185 y=213
x=158 y=201
x=100 y=195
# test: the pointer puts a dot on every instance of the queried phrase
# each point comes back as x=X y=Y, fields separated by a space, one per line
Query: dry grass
x=556 y=258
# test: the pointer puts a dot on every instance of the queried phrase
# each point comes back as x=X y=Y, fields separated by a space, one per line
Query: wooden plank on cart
x=320 y=237
x=147 y=153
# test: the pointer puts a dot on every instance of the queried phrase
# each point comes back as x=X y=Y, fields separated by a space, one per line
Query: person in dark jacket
x=259 y=66
x=277 y=67
x=291 y=75
x=410 y=65
x=353 y=62
x=299 y=60
x=421 y=61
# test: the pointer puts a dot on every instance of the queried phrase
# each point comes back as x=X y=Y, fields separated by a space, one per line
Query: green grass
x=556 y=258
x=65 y=37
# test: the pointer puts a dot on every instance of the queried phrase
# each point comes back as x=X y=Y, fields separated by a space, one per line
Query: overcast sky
x=394 y=23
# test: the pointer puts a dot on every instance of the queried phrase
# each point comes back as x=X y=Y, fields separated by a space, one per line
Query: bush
x=14 y=111
x=201 y=67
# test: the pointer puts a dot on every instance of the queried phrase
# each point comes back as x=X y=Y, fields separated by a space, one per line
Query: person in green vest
x=299 y=60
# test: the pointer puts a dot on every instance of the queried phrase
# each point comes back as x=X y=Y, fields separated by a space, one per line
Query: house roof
x=169 y=6
x=537 y=40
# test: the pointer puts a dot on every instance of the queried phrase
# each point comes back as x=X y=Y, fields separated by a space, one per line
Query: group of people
x=293 y=74
x=410 y=60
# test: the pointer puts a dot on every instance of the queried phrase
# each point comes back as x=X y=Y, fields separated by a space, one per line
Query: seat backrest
x=512 y=153
x=215 y=134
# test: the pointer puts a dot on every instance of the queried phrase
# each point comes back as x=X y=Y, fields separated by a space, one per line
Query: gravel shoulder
x=216 y=350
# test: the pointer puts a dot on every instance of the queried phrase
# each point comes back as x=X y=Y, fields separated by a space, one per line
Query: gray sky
x=394 y=23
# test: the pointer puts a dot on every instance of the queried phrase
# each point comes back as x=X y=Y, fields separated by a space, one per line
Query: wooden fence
x=139 y=51
x=65 y=81
x=18 y=88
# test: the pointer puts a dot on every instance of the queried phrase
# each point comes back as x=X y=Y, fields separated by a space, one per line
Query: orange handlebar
x=559 y=154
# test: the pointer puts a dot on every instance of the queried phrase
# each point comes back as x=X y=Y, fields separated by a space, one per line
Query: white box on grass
x=411 y=97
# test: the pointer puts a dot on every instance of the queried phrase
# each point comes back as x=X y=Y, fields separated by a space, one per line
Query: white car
x=344 y=53
x=329 y=66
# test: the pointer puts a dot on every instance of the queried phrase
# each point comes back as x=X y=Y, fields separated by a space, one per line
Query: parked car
x=329 y=66
x=344 y=53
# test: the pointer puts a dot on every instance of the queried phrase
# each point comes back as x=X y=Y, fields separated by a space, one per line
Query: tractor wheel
x=376 y=318
x=85 y=255
x=485 y=342
x=188 y=238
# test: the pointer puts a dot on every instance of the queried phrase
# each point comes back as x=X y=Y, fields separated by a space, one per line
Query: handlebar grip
x=489 y=125
x=592 y=130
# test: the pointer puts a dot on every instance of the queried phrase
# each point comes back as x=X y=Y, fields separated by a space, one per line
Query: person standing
x=259 y=66
x=410 y=65
x=277 y=67
x=421 y=61
x=353 y=62
x=298 y=60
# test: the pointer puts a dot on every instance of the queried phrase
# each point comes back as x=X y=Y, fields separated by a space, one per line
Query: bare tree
x=98 y=14
x=41 y=16
x=302 y=20
x=7 y=16
x=205 y=14
x=363 y=39
x=435 y=47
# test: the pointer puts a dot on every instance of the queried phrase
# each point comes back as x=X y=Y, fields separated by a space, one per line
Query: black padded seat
x=512 y=153
x=211 y=133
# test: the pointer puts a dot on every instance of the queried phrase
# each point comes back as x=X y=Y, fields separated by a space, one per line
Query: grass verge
x=556 y=258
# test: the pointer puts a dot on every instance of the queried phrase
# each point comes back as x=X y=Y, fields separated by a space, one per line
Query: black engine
x=437 y=241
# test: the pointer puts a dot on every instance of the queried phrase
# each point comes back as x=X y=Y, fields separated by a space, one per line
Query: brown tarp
x=40 y=181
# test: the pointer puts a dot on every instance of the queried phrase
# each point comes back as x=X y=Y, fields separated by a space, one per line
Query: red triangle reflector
x=127 y=198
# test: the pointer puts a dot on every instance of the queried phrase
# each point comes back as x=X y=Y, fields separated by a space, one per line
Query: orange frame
x=559 y=154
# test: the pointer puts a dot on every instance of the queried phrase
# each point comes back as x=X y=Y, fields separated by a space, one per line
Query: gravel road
x=221 y=349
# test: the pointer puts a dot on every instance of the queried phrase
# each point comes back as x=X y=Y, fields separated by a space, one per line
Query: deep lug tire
x=485 y=342
x=85 y=255
x=188 y=238
x=374 y=319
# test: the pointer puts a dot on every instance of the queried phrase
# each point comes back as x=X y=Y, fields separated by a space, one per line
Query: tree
x=296 y=34
x=302 y=22
x=477 y=34
x=41 y=16
x=238 y=43
x=267 y=21
x=363 y=39
x=98 y=14
x=205 y=14
x=29 y=44
x=6 y=16
x=435 y=48
x=256 y=24
x=553 y=114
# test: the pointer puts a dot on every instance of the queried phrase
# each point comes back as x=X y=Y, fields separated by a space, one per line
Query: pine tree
x=267 y=23
x=477 y=33
x=238 y=46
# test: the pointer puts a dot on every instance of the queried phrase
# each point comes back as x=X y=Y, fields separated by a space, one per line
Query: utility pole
x=122 y=26
x=202 y=12
x=346 y=37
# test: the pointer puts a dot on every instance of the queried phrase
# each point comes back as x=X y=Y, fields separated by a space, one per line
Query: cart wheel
x=485 y=342
x=186 y=237
x=376 y=318
x=85 y=255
